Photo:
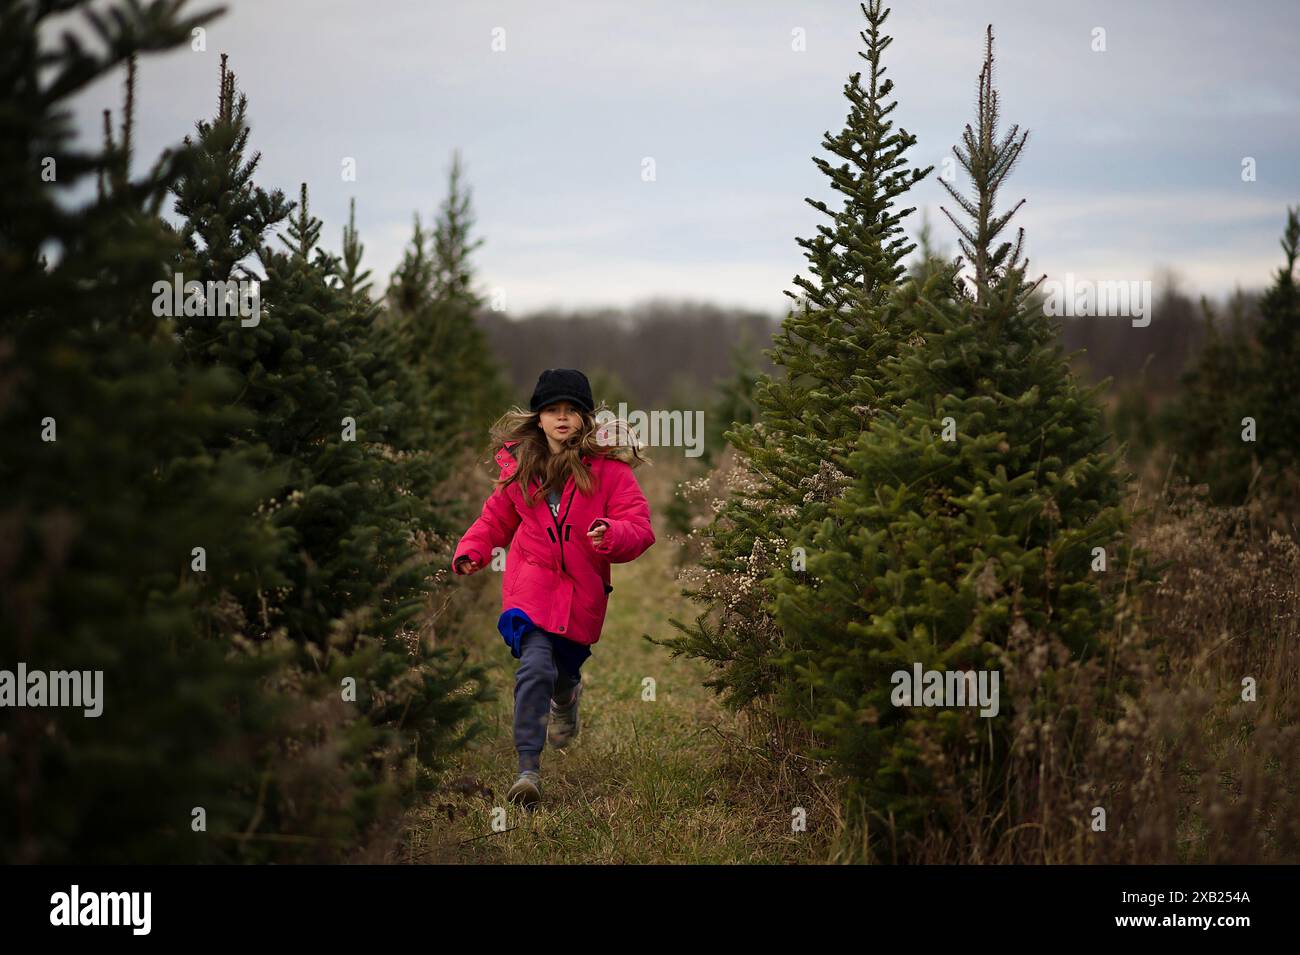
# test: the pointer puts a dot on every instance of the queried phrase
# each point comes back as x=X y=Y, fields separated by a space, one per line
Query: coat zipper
x=560 y=520
x=557 y=521
x=559 y=535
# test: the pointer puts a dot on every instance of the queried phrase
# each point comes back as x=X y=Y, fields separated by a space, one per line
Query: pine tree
x=964 y=538
x=1243 y=380
x=352 y=504
x=217 y=200
x=397 y=422
x=1205 y=420
x=928 y=260
x=111 y=484
x=829 y=354
x=1278 y=409
x=410 y=287
x=356 y=510
x=1134 y=418
x=435 y=311
x=356 y=282
x=734 y=405
x=831 y=345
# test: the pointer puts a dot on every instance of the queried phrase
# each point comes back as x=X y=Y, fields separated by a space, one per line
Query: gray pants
x=548 y=667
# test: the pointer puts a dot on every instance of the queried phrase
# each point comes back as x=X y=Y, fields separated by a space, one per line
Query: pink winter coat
x=553 y=572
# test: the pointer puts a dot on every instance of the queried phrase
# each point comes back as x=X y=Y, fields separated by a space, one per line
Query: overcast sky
x=1134 y=160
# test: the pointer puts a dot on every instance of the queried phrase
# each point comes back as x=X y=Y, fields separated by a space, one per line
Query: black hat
x=562 y=384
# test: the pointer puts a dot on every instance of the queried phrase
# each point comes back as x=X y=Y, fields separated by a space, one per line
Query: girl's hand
x=467 y=565
x=597 y=533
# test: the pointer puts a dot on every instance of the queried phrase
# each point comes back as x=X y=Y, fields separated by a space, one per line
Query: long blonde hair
x=608 y=437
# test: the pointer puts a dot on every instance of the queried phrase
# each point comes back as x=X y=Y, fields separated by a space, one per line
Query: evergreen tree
x=436 y=310
x=1205 y=421
x=397 y=423
x=225 y=215
x=928 y=259
x=111 y=484
x=1244 y=373
x=1279 y=350
x=831 y=346
x=829 y=351
x=1134 y=419
x=734 y=405
x=356 y=282
x=351 y=505
x=964 y=537
x=356 y=510
x=410 y=287
x=1277 y=409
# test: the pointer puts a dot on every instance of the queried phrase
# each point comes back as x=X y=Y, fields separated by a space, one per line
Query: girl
x=567 y=505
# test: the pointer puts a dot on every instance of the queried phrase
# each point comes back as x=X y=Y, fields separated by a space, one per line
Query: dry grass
x=1206 y=775
x=1185 y=769
x=1155 y=733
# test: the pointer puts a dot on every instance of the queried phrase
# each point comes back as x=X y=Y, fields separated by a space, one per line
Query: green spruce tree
x=734 y=405
x=1277 y=409
x=1235 y=422
x=828 y=386
x=352 y=504
x=1279 y=349
x=356 y=281
x=435 y=309
x=1207 y=420
x=128 y=541
x=980 y=529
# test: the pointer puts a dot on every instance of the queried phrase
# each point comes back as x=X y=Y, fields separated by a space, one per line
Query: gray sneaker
x=526 y=790
x=564 y=722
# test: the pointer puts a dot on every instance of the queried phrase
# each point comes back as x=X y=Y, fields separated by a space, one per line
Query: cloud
x=1132 y=162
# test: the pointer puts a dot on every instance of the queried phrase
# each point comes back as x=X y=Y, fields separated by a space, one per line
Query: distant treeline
x=654 y=354
x=661 y=351
x=1155 y=356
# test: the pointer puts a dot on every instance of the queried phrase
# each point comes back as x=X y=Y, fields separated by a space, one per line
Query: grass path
x=668 y=780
